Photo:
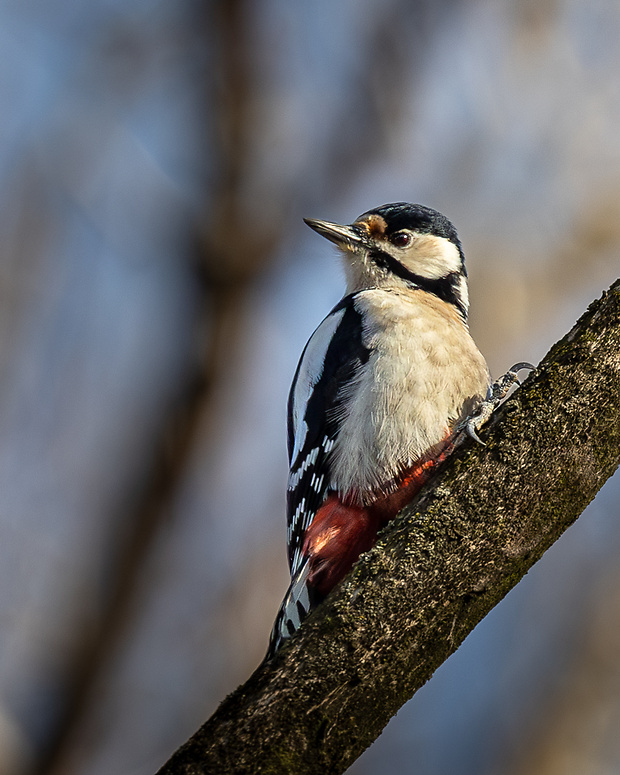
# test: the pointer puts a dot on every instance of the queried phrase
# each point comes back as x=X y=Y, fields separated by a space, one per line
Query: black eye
x=401 y=239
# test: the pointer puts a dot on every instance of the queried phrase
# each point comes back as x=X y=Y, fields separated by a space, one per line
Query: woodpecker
x=385 y=387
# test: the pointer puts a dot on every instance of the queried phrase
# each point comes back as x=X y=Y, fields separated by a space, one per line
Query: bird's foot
x=497 y=392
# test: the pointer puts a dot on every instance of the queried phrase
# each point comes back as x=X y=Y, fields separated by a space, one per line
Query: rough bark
x=437 y=570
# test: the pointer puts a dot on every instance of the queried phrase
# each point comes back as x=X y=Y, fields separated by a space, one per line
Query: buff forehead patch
x=374 y=224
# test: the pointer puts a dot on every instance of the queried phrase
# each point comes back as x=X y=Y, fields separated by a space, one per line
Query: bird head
x=401 y=245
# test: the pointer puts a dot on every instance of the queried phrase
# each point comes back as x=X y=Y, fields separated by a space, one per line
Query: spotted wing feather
x=329 y=363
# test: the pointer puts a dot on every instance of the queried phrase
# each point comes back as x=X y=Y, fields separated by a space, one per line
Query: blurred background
x=157 y=286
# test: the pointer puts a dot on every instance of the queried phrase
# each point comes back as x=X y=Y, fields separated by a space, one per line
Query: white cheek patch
x=430 y=256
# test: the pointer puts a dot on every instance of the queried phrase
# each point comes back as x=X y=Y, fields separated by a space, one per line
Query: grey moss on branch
x=436 y=571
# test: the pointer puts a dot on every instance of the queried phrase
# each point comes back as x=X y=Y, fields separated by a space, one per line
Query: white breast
x=421 y=377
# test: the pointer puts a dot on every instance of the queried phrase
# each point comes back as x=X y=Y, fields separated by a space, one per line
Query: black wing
x=329 y=362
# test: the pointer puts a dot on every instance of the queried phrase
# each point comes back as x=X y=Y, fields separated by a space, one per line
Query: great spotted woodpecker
x=384 y=387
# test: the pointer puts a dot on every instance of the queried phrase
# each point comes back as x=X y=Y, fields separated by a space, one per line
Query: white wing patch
x=309 y=374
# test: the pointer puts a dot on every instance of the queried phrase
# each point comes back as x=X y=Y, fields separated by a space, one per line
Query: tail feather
x=300 y=598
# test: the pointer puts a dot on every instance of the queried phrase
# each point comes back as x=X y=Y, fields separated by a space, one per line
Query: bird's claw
x=497 y=392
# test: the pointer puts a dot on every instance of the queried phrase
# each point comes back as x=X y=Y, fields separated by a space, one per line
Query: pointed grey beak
x=346 y=237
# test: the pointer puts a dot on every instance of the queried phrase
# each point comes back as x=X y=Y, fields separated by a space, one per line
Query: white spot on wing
x=309 y=460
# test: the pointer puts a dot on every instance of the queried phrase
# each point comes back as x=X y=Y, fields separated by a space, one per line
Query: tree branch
x=437 y=570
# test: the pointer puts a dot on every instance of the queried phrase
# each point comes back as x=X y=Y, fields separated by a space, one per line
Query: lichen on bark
x=436 y=571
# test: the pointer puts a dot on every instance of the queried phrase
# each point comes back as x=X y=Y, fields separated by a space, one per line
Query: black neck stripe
x=445 y=288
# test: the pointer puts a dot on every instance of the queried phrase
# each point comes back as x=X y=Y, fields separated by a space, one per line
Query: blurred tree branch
x=225 y=271
x=437 y=570
x=234 y=244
